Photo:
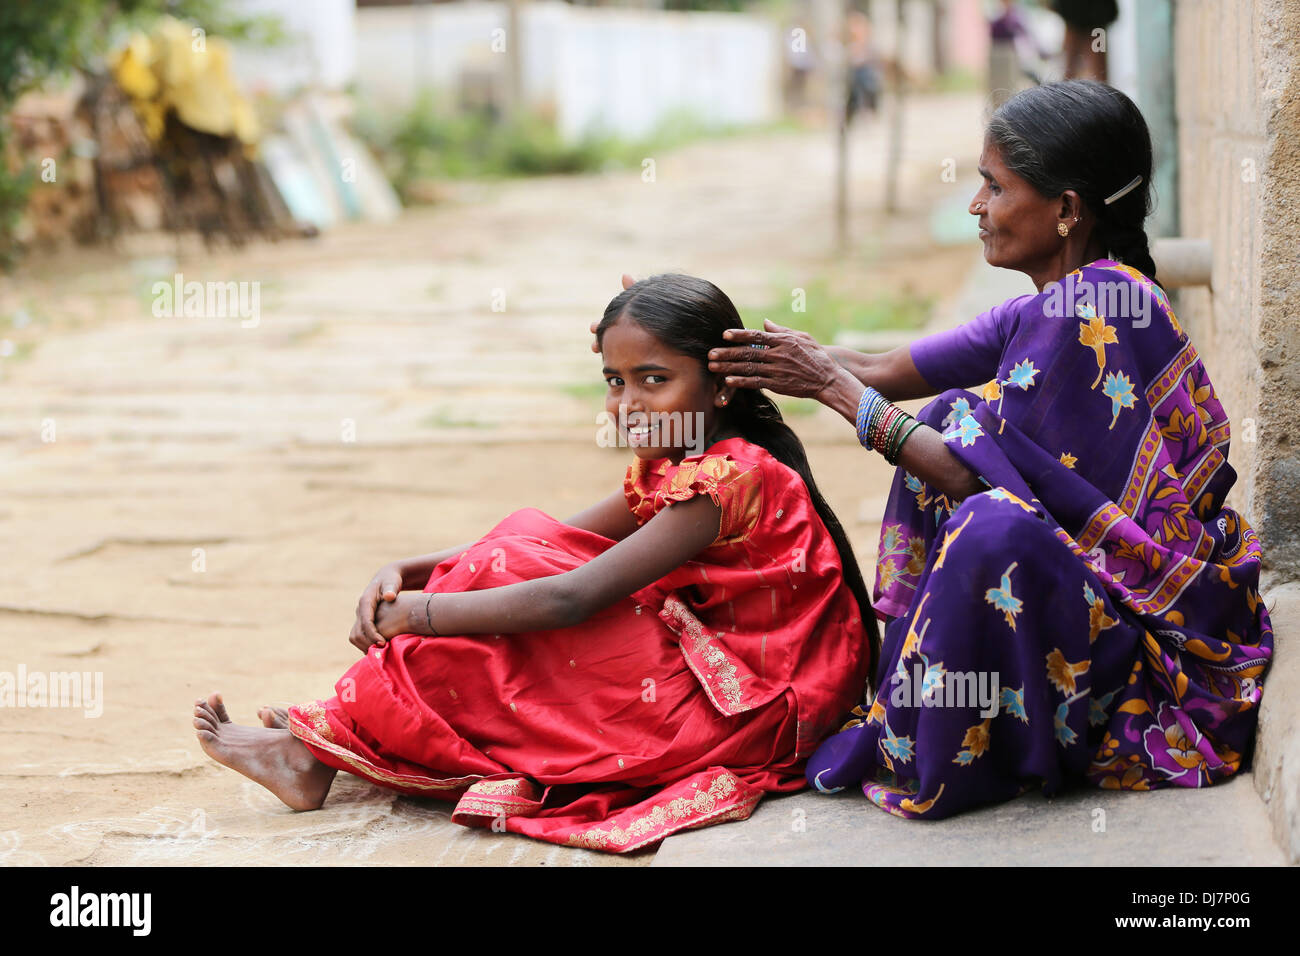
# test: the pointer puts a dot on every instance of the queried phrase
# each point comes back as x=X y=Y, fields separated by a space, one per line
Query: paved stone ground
x=177 y=434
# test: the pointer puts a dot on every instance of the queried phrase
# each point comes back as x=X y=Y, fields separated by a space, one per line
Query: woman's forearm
x=893 y=374
x=924 y=454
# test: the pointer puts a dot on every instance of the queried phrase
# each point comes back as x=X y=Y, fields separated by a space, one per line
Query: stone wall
x=1238 y=79
x=1238 y=106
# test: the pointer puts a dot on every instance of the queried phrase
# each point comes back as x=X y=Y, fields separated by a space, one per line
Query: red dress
x=677 y=707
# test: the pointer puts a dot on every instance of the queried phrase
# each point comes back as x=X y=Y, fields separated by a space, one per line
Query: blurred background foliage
x=47 y=40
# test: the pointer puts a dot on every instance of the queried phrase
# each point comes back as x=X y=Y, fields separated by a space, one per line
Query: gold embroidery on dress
x=679 y=813
x=514 y=788
x=315 y=713
x=364 y=768
x=722 y=670
x=648 y=493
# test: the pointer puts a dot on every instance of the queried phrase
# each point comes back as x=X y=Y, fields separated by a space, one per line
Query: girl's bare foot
x=273 y=716
x=272 y=757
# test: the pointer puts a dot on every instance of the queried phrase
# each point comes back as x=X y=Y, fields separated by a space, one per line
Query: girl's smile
x=661 y=398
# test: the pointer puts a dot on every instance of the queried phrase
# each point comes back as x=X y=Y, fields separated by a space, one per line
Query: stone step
x=1223 y=825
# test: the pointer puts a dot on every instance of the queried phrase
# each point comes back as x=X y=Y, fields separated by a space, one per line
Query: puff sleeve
x=735 y=488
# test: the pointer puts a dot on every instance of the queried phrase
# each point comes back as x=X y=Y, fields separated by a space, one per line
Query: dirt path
x=215 y=497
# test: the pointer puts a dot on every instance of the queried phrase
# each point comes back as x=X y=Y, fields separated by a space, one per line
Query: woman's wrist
x=842 y=394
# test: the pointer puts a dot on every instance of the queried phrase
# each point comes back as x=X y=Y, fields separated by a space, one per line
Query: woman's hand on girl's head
x=785 y=361
x=628 y=282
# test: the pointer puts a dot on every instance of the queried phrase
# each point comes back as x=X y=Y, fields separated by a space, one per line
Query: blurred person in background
x=863 y=64
x=1085 y=54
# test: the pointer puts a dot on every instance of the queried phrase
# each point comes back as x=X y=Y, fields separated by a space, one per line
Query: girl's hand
x=391 y=619
x=787 y=362
x=628 y=282
x=382 y=589
x=394 y=617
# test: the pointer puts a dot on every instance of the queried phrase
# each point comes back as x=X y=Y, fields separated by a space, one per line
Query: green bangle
x=906 y=435
x=894 y=429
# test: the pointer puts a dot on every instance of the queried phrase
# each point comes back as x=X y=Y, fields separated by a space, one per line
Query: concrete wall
x=320 y=50
x=1238 y=108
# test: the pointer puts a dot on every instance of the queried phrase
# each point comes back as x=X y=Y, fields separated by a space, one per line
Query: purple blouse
x=970 y=354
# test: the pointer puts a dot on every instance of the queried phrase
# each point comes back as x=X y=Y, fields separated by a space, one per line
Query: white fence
x=622 y=71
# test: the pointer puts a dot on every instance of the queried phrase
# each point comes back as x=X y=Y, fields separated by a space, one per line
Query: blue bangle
x=866 y=405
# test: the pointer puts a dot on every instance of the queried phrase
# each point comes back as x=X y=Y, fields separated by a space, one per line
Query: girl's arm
x=662 y=544
x=415 y=571
x=610 y=518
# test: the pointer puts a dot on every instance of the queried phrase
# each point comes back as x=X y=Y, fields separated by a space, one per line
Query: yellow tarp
x=176 y=66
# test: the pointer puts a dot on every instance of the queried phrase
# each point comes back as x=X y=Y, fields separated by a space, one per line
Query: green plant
x=429 y=141
x=827 y=310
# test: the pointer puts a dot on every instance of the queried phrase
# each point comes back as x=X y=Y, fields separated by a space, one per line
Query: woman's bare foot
x=273 y=716
x=272 y=757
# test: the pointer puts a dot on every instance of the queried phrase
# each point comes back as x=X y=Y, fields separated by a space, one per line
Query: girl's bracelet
x=428 y=619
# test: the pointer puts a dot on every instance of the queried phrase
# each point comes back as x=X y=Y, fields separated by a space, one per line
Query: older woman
x=1066 y=597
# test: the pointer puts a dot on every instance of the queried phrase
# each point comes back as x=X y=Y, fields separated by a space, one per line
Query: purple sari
x=1095 y=614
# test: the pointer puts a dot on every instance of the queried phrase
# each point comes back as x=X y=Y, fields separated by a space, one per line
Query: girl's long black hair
x=690 y=315
x=1089 y=137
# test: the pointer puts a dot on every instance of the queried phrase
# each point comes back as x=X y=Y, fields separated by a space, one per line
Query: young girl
x=656 y=662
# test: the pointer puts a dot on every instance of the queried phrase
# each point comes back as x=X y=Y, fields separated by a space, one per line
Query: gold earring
x=1063 y=229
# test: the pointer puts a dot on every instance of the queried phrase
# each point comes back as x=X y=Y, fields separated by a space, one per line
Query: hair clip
x=1123 y=192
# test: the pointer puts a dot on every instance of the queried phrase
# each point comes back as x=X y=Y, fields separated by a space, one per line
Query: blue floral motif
x=1002 y=598
x=960 y=409
x=1119 y=390
x=1022 y=375
x=1098 y=709
x=1064 y=735
x=968 y=429
x=900 y=748
x=1012 y=700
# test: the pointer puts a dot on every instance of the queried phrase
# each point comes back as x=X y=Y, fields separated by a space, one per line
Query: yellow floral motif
x=1068 y=460
x=1062 y=673
x=911 y=806
x=912 y=642
x=948 y=538
x=975 y=742
x=1098 y=620
x=1183 y=752
x=916 y=563
x=887 y=573
x=1096 y=335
